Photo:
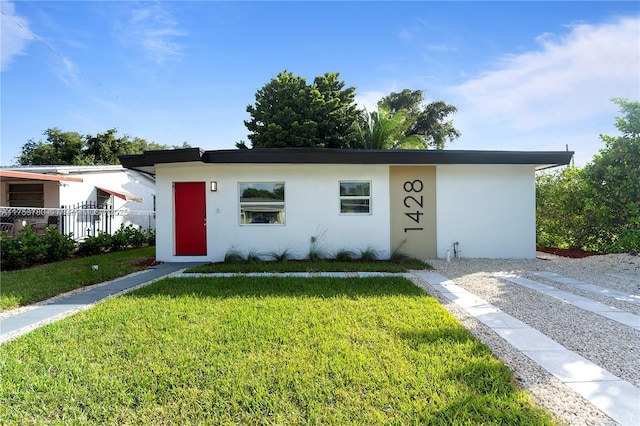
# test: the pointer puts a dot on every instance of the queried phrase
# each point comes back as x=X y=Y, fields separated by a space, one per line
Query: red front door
x=191 y=218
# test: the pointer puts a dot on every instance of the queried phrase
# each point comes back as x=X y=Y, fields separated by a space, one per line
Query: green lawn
x=25 y=286
x=314 y=266
x=248 y=350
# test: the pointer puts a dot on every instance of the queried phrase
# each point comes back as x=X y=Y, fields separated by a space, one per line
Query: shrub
x=57 y=246
x=95 y=245
x=23 y=250
x=127 y=237
x=150 y=236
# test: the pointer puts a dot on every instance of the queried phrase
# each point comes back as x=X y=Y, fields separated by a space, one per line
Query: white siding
x=311 y=203
x=489 y=210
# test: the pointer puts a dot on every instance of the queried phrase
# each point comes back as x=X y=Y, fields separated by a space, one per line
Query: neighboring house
x=82 y=200
x=420 y=203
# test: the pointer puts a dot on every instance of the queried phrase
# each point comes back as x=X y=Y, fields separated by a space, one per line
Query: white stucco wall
x=489 y=210
x=311 y=204
x=116 y=179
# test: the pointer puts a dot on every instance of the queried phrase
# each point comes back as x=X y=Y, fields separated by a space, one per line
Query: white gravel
x=609 y=344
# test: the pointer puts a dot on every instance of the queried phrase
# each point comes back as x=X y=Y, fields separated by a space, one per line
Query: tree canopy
x=72 y=148
x=288 y=112
x=596 y=208
x=427 y=124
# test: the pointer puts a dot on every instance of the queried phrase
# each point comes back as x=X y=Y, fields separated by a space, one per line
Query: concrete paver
x=603 y=291
x=617 y=398
x=614 y=314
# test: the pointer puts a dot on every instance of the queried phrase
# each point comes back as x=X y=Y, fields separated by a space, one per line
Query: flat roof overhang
x=11 y=175
x=149 y=159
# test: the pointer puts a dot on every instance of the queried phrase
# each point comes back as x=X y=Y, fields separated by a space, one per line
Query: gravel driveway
x=607 y=343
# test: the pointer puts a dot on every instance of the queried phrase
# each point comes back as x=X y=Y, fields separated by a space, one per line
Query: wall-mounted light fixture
x=214 y=186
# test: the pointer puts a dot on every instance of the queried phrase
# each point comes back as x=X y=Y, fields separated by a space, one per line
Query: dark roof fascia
x=400 y=157
x=146 y=161
x=342 y=156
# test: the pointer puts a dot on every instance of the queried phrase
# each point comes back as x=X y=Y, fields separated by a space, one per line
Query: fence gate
x=85 y=220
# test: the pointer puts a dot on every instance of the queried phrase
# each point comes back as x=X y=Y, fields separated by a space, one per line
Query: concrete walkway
x=46 y=313
x=617 y=398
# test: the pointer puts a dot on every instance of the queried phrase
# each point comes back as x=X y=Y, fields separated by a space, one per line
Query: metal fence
x=80 y=220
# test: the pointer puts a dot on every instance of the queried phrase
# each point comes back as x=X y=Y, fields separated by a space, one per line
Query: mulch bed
x=147 y=261
x=572 y=253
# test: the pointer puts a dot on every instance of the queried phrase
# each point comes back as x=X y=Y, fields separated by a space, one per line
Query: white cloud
x=554 y=93
x=369 y=100
x=14 y=34
x=155 y=31
x=67 y=71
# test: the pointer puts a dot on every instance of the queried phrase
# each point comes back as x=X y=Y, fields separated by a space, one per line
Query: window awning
x=121 y=194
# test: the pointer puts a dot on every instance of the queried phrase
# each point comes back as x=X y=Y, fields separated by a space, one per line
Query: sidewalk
x=28 y=320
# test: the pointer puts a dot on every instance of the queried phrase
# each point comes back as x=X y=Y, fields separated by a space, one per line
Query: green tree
x=427 y=123
x=60 y=148
x=596 y=208
x=614 y=178
x=288 y=112
x=560 y=209
x=71 y=148
x=383 y=130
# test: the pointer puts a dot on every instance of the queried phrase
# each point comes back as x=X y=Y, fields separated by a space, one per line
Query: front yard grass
x=30 y=285
x=313 y=266
x=260 y=350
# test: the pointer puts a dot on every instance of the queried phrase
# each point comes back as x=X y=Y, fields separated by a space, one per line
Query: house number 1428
x=414 y=200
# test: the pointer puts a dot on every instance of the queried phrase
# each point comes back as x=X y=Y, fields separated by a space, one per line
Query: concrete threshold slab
x=613 y=396
x=610 y=312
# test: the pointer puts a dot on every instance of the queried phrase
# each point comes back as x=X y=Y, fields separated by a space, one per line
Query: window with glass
x=355 y=197
x=262 y=203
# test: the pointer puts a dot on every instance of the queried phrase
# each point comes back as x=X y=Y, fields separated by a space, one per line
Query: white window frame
x=268 y=207
x=342 y=197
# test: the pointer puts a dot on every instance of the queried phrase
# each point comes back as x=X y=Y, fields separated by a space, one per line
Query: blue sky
x=524 y=75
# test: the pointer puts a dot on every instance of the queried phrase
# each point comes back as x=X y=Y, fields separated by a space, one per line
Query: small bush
x=127 y=237
x=150 y=236
x=95 y=245
x=23 y=250
x=57 y=246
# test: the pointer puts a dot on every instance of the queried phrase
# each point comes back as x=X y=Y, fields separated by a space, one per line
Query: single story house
x=44 y=195
x=420 y=203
